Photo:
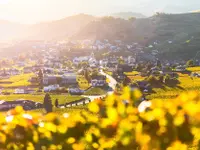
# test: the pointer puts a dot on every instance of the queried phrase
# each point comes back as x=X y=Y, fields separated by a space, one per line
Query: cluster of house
x=55 y=82
x=115 y=45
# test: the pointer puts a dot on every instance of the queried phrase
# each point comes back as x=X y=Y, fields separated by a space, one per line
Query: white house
x=51 y=88
x=77 y=60
x=75 y=90
x=98 y=81
x=20 y=91
x=180 y=68
x=131 y=60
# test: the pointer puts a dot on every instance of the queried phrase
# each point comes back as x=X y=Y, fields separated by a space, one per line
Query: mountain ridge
x=127 y=15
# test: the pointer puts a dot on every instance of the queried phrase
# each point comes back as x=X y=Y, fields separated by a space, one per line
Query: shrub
x=170 y=124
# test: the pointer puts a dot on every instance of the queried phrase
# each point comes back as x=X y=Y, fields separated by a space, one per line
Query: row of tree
x=48 y=103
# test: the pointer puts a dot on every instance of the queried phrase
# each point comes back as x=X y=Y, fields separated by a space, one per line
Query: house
x=29 y=91
x=51 y=88
x=180 y=69
x=103 y=62
x=14 y=72
x=124 y=68
x=49 y=80
x=68 y=79
x=92 y=62
x=98 y=81
x=24 y=91
x=48 y=70
x=143 y=85
x=77 y=60
x=21 y=64
x=28 y=69
x=20 y=91
x=75 y=91
x=131 y=60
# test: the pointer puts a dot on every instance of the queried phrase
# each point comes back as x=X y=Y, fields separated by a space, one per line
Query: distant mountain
x=127 y=15
x=53 y=30
x=177 y=35
x=59 y=29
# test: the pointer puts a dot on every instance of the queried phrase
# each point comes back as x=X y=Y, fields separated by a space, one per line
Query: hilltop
x=127 y=15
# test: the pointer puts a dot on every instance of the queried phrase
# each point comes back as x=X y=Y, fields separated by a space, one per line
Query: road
x=112 y=84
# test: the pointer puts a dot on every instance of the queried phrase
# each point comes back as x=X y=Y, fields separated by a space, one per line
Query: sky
x=33 y=11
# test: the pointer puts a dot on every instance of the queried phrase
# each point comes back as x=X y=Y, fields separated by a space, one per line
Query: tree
x=94 y=73
x=121 y=60
x=190 y=63
x=158 y=64
x=126 y=81
x=40 y=78
x=56 y=103
x=48 y=103
x=83 y=64
x=87 y=75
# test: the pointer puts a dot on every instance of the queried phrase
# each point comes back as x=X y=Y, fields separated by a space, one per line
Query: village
x=74 y=71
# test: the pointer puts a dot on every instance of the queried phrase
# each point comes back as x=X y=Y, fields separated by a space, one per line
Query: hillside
x=54 y=30
x=174 y=33
x=127 y=15
x=58 y=29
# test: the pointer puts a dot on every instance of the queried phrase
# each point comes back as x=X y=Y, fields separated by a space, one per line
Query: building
x=98 y=81
x=20 y=91
x=68 y=79
x=124 y=68
x=28 y=69
x=51 y=88
x=62 y=80
x=24 y=91
x=75 y=91
x=49 y=80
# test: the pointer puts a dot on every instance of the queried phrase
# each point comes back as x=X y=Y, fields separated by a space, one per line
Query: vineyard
x=119 y=122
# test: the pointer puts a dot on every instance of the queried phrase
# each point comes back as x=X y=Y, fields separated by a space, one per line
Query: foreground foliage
x=116 y=123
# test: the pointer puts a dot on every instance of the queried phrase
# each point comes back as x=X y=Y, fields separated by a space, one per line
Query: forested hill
x=173 y=33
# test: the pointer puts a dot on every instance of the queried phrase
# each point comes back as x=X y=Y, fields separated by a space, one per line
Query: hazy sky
x=32 y=11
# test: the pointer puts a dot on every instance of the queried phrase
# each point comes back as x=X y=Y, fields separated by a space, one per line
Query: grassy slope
x=17 y=81
x=186 y=84
x=82 y=82
x=96 y=91
x=39 y=98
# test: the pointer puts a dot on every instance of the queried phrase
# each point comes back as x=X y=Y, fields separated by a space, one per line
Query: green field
x=133 y=73
x=96 y=91
x=16 y=81
x=82 y=82
x=186 y=84
x=39 y=98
